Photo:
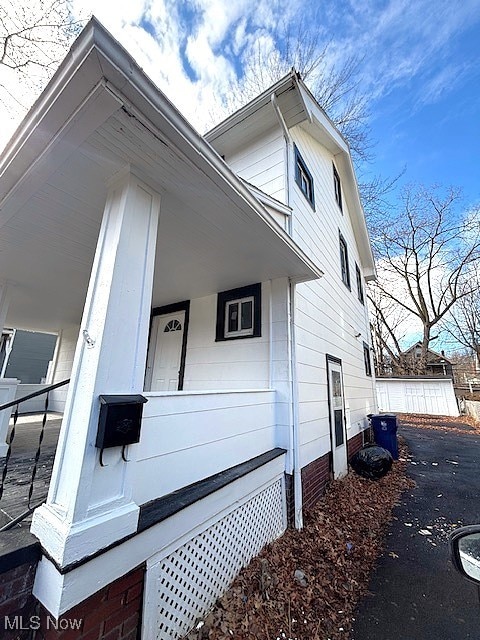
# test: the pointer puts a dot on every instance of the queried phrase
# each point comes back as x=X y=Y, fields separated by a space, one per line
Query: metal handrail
x=14 y=403
x=34 y=395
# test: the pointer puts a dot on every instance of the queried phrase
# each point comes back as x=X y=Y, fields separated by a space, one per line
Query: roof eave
x=97 y=62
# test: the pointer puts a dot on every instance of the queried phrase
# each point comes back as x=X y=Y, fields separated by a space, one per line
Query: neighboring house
x=222 y=279
x=437 y=364
x=27 y=355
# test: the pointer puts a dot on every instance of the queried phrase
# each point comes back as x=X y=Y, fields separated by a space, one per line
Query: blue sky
x=419 y=66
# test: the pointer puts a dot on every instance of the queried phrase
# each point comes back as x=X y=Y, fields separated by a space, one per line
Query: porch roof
x=99 y=114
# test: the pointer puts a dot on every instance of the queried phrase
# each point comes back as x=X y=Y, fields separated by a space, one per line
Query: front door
x=337 y=418
x=165 y=352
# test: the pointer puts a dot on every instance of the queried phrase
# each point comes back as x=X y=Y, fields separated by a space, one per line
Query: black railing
x=10 y=440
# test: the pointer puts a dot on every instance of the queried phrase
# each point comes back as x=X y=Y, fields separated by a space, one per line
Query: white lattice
x=192 y=578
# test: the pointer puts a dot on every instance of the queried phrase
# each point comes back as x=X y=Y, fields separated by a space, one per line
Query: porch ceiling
x=210 y=238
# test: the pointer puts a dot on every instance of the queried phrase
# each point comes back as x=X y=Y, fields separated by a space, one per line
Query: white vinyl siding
x=263 y=164
x=233 y=364
x=328 y=316
x=67 y=343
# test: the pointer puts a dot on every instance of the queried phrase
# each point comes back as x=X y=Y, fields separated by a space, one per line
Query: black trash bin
x=385 y=432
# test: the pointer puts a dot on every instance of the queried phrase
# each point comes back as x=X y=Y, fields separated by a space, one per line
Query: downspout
x=297 y=472
x=288 y=147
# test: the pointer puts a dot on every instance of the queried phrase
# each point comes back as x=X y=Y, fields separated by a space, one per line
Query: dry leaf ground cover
x=440 y=423
x=306 y=585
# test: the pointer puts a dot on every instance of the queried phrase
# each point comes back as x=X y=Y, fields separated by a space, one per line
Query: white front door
x=337 y=418
x=165 y=352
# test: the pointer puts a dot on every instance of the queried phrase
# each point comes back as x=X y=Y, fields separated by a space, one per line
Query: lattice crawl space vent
x=192 y=578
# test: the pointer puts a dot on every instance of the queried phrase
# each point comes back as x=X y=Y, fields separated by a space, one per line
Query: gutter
x=288 y=148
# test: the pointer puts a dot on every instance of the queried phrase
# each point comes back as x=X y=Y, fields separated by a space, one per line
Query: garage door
x=427 y=396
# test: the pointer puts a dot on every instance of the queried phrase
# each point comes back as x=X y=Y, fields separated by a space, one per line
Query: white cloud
x=193 y=49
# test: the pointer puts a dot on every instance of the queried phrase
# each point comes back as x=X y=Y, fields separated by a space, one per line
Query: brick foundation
x=113 y=613
x=290 y=498
x=315 y=477
x=17 y=603
x=354 y=445
x=19 y=556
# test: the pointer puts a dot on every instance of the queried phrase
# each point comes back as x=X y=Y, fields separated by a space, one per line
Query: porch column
x=90 y=506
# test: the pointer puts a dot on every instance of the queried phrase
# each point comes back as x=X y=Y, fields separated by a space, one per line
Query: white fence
x=472 y=408
x=430 y=396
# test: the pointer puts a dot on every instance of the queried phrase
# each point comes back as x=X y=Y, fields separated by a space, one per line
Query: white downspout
x=297 y=472
x=288 y=146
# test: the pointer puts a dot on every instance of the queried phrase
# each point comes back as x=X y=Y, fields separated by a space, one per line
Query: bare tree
x=387 y=327
x=297 y=43
x=426 y=253
x=463 y=324
x=33 y=39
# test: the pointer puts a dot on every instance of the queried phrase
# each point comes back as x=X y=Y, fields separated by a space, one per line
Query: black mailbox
x=119 y=421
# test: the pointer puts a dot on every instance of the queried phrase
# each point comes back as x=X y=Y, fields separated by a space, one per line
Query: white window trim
x=239 y=332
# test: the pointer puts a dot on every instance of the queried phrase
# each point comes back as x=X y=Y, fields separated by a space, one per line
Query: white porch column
x=90 y=506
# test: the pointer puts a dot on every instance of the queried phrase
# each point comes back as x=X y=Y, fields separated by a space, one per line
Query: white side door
x=337 y=418
x=165 y=352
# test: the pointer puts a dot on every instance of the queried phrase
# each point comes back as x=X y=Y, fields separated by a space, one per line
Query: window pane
x=233 y=317
x=339 y=437
x=366 y=357
x=247 y=315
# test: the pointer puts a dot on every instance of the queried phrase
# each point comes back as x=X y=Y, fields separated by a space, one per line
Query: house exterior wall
x=230 y=364
x=328 y=315
x=189 y=436
x=263 y=163
x=67 y=342
x=30 y=356
x=329 y=318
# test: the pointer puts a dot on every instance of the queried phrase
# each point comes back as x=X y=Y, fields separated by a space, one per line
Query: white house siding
x=229 y=364
x=189 y=436
x=328 y=314
x=67 y=342
x=263 y=163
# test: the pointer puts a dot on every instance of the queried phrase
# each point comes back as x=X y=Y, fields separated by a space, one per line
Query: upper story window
x=344 y=262
x=360 y=293
x=337 y=185
x=303 y=178
x=239 y=313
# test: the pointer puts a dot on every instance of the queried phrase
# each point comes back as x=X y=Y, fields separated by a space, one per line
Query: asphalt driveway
x=416 y=594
